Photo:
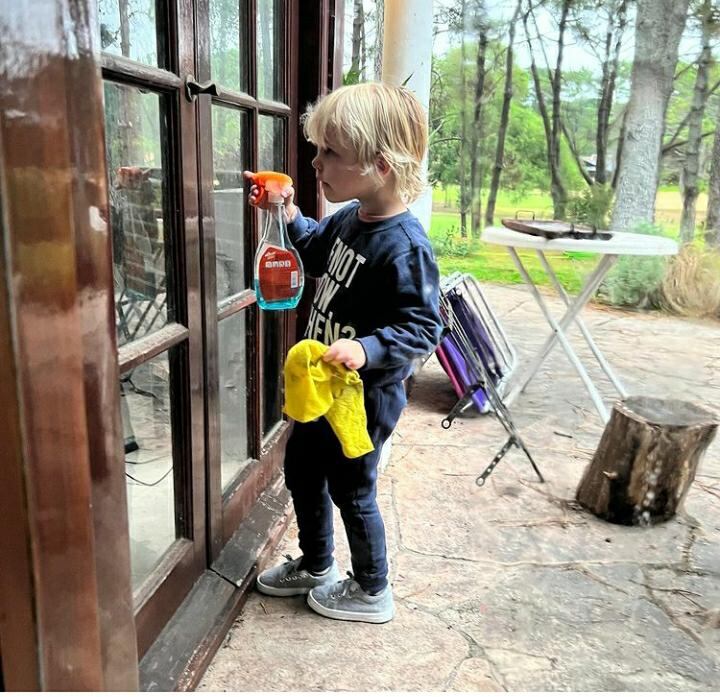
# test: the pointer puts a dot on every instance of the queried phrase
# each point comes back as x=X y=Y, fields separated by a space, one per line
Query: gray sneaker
x=286 y=579
x=346 y=600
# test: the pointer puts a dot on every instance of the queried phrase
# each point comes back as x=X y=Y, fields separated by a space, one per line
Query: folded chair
x=478 y=358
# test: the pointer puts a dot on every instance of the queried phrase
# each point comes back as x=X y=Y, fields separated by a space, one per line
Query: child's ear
x=382 y=165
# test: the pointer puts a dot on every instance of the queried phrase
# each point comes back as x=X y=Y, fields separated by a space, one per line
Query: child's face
x=340 y=174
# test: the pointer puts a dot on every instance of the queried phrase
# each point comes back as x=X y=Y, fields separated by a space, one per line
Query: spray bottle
x=278 y=271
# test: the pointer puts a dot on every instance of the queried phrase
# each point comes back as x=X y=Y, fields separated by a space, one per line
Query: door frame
x=66 y=604
x=66 y=620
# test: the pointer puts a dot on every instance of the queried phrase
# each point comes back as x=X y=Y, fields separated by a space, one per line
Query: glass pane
x=127 y=28
x=271 y=143
x=273 y=359
x=228 y=52
x=134 y=132
x=270 y=49
x=271 y=150
x=145 y=404
x=233 y=389
x=230 y=157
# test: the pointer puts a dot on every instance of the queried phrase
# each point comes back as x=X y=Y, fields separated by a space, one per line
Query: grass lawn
x=668 y=204
x=488 y=262
x=493 y=263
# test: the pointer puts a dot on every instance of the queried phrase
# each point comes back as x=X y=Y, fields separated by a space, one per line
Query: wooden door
x=195 y=92
x=243 y=56
x=151 y=145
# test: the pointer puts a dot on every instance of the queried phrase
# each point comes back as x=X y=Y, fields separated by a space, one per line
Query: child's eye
x=328 y=151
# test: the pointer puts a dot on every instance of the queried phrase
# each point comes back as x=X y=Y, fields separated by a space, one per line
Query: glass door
x=150 y=129
x=245 y=126
x=195 y=93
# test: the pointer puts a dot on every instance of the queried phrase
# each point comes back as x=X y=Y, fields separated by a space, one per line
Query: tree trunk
x=658 y=28
x=560 y=195
x=363 y=52
x=712 y=222
x=504 y=120
x=619 y=150
x=476 y=135
x=646 y=460
x=379 y=29
x=357 y=32
x=128 y=136
x=576 y=155
x=463 y=127
x=124 y=28
x=557 y=189
x=697 y=112
x=607 y=88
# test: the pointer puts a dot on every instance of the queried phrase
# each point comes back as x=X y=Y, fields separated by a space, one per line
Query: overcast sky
x=576 y=54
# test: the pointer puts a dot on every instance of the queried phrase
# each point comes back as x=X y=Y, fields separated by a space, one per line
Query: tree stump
x=646 y=460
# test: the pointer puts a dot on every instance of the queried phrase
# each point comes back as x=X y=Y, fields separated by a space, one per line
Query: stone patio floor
x=512 y=586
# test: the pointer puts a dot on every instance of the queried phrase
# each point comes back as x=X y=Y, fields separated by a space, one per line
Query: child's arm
x=310 y=238
x=416 y=324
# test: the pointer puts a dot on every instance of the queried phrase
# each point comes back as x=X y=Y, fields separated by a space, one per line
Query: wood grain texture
x=646 y=460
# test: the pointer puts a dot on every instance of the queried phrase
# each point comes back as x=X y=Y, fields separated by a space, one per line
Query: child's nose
x=316 y=162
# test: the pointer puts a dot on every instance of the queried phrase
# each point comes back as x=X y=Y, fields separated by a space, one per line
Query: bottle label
x=278 y=274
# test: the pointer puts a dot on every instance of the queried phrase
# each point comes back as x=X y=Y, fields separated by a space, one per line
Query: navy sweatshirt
x=378 y=284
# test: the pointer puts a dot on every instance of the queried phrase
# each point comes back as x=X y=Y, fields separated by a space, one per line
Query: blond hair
x=373 y=119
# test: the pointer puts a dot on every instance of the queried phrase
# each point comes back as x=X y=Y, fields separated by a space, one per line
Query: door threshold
x=178 y=658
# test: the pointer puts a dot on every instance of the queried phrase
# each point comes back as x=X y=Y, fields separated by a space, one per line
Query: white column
x=407 y=53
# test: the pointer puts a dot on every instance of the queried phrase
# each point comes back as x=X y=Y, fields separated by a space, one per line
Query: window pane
x=233 y=390
x=271 y=143
x=127 y=28
x=273 y=359
x=146 y=403
x=134 y=132
x=271 y=139
x=228 y=53
x=270 y=54
x=230 y=157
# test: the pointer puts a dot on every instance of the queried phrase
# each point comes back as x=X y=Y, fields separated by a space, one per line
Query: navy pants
x=318 y=475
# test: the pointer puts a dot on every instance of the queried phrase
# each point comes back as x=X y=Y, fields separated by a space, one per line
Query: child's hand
x=258 y=196
x=347 y=352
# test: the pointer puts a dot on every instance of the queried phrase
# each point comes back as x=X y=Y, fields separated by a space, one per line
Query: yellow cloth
x=314 y=388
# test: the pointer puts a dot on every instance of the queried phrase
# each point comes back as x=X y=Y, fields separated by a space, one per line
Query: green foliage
x=591 y=206
x=351 y=77
x=451 y=244
x=569 y=172
x=635 y=281
x=678 y=108
x=525 y=165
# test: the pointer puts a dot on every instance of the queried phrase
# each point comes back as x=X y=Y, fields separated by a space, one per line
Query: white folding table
x=622 y=243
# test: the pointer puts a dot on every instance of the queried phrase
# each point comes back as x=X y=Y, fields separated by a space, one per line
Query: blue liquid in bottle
x=279 y=277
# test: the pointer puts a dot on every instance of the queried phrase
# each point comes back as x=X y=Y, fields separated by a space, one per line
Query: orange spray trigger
x=274 y=183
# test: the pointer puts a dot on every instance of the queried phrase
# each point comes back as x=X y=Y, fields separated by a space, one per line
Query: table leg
x=583 y=328
x=558 y=333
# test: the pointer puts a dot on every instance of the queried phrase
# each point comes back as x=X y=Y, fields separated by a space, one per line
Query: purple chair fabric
x=464 y=373
x=447 y=367
x=477 y=335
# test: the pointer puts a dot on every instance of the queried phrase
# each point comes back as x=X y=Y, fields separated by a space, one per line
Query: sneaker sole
x=349 y=616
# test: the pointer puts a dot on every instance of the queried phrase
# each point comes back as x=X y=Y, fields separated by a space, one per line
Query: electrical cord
x=138 y=481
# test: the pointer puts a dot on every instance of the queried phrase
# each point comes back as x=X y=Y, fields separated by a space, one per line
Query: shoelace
x=346 y=587
x=291 y=567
